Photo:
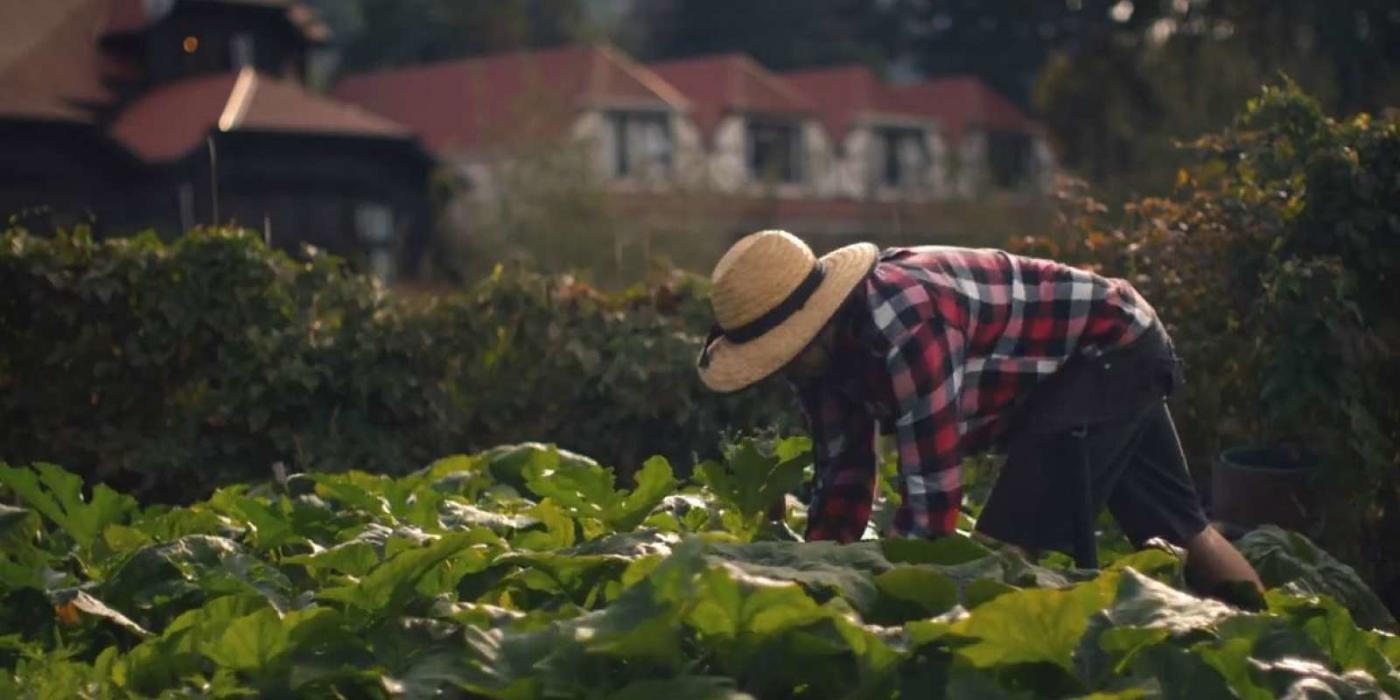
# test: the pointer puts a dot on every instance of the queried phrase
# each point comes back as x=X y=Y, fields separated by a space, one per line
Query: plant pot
x=1253 y=486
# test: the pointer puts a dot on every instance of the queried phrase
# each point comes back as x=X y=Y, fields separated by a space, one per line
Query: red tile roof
x=469 y=103
x=962 y=102
x=169 y=121
x=50 y=65
x=845 y=93
x=729 y=83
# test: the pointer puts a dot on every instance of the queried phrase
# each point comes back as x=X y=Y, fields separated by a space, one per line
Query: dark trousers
x=1097 y=434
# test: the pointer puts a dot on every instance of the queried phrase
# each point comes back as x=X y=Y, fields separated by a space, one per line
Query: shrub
x=168 y=369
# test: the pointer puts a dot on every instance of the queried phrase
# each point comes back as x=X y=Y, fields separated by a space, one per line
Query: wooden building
x=132 y=114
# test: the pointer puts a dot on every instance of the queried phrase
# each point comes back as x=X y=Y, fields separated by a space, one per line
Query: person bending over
x=954 y=350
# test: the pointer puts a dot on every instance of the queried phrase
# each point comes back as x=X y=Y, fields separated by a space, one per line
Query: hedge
x=167 y=369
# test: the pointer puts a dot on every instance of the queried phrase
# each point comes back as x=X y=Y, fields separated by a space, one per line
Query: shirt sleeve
x=843 y=443
x=926 y=373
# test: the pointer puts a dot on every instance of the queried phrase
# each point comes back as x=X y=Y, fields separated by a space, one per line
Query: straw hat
x=771 y=296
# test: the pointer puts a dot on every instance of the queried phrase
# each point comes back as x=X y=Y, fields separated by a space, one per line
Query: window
x=775 y=152
x=242 y=50
x=375 y=225
x=641 y=144
x=1009 y=159
x=904 y=157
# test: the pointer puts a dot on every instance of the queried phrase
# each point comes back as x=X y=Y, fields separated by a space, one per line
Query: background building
x=134 y=114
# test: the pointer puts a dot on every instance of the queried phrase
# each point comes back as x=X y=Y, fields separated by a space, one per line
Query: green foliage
x=1273 y=265
x=751 y=481
x=368 y=592
x=1120 y=95
x=166 y=370
x=1287 y=558
x=383 y=33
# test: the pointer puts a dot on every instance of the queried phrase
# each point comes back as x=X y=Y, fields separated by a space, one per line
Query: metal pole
x=213 y=179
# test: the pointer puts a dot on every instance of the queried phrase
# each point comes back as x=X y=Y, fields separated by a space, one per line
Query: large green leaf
x=391 y=584
x=1034 y=625
x=585 y=489
x=909 y=592
x=1180 y=674
x=1282 y=557
x=1346 y=646
x=258 y=642
x=266 y=525
x=355 y=558
x=57 y=495
x=1144 y=613
x=160 y=581
x=950 y=550
x=655 y=482
x=176 y=654
x=823 y=568
x=554 y=528
x=750 y=481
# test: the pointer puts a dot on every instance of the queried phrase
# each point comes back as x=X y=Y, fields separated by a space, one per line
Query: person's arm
x=926 y=374
x=843 y=444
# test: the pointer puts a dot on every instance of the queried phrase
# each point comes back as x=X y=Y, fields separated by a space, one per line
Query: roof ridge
x=774 y=81
x=461 y=62
x=649 y=78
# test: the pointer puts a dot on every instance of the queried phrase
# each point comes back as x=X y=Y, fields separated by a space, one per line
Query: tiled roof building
x=173 y=113
x=726 y=142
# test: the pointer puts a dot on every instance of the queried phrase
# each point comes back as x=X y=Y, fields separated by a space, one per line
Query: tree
x=380 y=33
x=1117 y=100
x=1004 y=43
x=780 y=34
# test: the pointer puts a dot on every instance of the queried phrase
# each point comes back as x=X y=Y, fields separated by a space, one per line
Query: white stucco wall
x=720 y=162
x=1043 y=157
x=848 y=173
x=692 y=170
x=970 y=173
x=818 y=158
x=728 y=149
x=591 y=128
x=859 y=174
x=939 y=176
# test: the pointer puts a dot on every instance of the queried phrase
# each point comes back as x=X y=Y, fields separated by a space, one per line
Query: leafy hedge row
x=167 y=369
x=524 y=573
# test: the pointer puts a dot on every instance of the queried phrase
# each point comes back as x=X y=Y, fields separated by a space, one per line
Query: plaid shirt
x=936 y=346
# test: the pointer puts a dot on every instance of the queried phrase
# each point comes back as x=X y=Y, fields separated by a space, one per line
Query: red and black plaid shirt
x=936 y=345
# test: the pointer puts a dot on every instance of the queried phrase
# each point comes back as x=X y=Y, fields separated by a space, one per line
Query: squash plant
x=523 y=572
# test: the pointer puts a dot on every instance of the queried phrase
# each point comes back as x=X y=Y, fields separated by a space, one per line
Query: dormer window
x=642 y=145
x=903 y=157
x=774 y=151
